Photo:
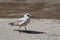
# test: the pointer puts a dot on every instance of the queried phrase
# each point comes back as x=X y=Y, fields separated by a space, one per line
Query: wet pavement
x=44 y=9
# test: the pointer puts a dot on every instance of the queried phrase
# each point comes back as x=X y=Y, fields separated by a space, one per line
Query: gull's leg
x=25 y=28
x=19 y=28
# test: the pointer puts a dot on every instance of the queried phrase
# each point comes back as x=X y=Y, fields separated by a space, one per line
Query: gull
x=22 y=22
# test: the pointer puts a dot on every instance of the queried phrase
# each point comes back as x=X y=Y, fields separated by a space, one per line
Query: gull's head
x=28 y=14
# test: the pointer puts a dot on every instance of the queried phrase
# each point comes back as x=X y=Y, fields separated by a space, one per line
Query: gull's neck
x=26 y=17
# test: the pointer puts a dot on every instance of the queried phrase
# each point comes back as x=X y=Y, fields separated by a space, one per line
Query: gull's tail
x=12 y=24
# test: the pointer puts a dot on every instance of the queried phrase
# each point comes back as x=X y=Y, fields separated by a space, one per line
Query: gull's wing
x=21 y=22
x=20 y=19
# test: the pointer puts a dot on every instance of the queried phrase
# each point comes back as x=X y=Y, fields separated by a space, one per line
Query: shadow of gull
x=30 y=32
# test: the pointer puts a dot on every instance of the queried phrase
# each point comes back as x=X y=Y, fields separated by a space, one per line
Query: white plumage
x=24 y=21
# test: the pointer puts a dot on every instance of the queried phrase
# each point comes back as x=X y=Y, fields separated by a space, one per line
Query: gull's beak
x=31 y=16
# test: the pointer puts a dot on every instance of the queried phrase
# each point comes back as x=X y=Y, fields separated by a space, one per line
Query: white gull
x=24 y=21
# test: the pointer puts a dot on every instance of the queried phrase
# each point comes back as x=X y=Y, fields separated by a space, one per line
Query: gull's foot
x=19 y=30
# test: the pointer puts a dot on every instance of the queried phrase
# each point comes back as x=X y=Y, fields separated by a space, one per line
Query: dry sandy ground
x=38 y=29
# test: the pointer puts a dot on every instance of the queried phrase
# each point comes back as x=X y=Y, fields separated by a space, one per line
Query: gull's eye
x=27 y=15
